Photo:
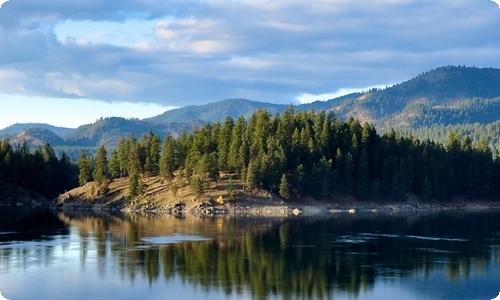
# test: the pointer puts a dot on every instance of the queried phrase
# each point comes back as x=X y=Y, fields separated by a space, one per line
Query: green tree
x=167 y=160
x=133 y=187
x=114 y=165
x=231 y=191
x=84 y=167
x=101 y=171
x=284 y=187
x=224 y=143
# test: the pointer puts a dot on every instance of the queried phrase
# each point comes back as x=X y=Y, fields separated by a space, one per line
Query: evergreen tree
x=133 y=187
x=167 y=160
x=153 y=155
x=123 y=156
x=114 y=165
x=284 y=188
x=224 y=143
x=252 y=176
x=101 y=171
x=231 y=192
x=84 y=167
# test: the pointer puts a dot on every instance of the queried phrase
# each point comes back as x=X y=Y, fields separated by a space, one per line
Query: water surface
x=61 y=255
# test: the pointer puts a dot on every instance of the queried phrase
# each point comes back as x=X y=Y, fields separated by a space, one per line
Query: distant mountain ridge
x=216 y=111
x=446 y=96
x=234 y=108
x=16 y=128
x=442 y=96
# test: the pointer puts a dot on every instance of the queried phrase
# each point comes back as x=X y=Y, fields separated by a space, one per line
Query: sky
x=68 y=63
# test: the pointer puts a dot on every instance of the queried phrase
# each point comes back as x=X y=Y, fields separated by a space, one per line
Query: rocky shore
x=268 y=204
x=158 y=199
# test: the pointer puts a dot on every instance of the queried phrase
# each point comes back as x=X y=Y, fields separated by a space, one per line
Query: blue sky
x=68 y=63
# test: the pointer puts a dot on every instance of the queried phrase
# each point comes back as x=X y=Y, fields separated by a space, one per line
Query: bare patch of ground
x=158 y=197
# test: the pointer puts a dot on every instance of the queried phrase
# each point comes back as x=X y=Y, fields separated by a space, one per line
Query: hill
x=18 y=127
x=216 y=111
x=234 y=108
x=108 y=131
x=36 y=137
x=445 y=96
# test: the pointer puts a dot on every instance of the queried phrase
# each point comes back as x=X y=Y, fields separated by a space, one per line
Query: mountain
x=108 y=131
x=445 y=96
x=216 y=111
x=459 y=99
x=234 y=108
x=16 y=128
x=37 y=137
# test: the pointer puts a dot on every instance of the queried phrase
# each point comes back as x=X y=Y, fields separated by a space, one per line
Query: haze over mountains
x=448 y=98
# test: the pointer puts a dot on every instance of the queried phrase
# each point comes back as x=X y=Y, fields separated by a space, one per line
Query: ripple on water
x=175 y=239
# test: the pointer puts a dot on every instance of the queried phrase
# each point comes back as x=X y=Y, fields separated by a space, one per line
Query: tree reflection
x=307 y=258
x=290 y=258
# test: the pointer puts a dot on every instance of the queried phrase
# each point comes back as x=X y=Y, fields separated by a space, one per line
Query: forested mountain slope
x=447 y=95
x=465 y=100
x=16 y=128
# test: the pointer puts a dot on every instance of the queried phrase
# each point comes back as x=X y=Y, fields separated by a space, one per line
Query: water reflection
x=340 y=256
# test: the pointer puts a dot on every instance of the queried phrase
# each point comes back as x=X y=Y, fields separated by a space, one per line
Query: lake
x=84 y=255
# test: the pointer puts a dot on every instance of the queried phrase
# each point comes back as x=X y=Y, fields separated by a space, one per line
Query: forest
x=299 y=154
x=296 y=154
x=39 y=170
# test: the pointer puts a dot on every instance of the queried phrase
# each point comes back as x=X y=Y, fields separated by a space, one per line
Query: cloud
x=497 y=2
x=2 y=2
x=181 y=52
x=308 y=98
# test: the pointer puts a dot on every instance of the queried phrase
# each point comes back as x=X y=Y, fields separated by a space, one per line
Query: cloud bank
x=180 y=52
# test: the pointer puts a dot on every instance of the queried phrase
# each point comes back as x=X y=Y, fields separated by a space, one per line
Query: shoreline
x=159 y=200
x=282 y=209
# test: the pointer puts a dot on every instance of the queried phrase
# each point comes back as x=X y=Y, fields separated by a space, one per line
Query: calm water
x=46 y=255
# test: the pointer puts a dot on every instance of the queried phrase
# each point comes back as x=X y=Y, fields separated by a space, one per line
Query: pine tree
x=231 y=192
x=84 y=167
x=123 y=156
x=133 y=187
x=101 y=171
x=251 y=179
x=236 y=161
x=167 y=160
x=153 y=155
x=284 y=187
x=114 y=165
x=225 y=143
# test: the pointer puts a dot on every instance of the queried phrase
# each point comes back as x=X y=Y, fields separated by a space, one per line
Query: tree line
x=39 y=170
x=300 y=154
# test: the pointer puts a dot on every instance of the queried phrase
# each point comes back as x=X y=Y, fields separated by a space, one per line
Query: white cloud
x=57 y=111
x=187 y=51
x=1 y=3
x=252 y=63
x=308 y=98
x=497 y=2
